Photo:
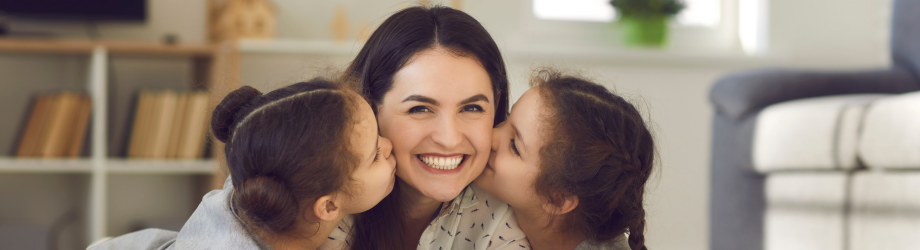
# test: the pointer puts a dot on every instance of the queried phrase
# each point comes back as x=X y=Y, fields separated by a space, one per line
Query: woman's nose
x=447 y=134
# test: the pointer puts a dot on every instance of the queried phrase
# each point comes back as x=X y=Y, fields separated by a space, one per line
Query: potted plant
x=645 y=22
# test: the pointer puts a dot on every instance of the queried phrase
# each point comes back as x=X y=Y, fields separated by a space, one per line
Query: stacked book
x=57 y=126
x=169 y=125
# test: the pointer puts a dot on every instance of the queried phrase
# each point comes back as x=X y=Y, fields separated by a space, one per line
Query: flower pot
x=644 y=31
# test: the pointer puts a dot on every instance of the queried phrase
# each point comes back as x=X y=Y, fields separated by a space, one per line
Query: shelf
x=294 y=46
x=113 y=166
x=531 y=52
x=137 y=166
x=67 y=46
x=35 y=165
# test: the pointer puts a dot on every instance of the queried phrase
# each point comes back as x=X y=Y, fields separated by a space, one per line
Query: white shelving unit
x=99 y=166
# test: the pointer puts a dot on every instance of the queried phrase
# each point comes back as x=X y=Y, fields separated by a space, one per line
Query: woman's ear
x=327 y=208
x=565 y=204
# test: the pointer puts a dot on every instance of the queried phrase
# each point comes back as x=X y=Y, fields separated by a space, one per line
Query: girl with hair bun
x=301 y=158
x=573 y=159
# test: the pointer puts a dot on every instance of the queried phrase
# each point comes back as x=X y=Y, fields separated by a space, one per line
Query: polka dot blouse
x=476 y=220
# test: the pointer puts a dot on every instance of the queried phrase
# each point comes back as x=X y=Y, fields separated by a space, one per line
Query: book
x=169 y=125
x=138 y=132
x=162 y=125
x=81 y=123
x=177 y=129
x=52 y=144
x=196 y=122
x=29 y=142
x=56 y=125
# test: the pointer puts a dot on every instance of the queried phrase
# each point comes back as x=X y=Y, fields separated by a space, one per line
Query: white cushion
x=891 y=133
x=805 y=211
x=813 y=133
x=885 y=211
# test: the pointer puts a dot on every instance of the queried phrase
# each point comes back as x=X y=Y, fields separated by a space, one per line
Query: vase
x=644 y=31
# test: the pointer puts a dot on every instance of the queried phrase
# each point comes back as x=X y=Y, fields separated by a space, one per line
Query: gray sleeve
x=148 y=239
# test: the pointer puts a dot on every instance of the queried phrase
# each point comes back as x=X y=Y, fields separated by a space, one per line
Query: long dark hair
x=598 y=149
x=286 y=148
x=400 y=37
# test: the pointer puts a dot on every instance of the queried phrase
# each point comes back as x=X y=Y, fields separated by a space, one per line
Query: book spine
x=80 y=127
x=33 y=128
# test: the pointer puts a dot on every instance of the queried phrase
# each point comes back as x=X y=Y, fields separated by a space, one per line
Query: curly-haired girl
x=573 y=159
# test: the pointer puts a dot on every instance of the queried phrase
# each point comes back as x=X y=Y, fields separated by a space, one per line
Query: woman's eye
x=419 y=109
x=473 y=108
x=514 y=148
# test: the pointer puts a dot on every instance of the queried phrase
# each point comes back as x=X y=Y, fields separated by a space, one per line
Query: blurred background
x=69 y=176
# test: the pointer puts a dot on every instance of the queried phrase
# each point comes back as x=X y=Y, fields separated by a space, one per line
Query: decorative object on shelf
x=234 y=19
x=645 y=22
x=340 y=24
x=169 y=125
x=56 y=127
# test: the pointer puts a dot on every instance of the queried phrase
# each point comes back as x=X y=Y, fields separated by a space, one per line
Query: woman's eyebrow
x=475 y=98
x=420 y=98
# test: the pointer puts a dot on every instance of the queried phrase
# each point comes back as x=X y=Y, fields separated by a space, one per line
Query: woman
x=301 y=159
x=439 y=85
x=573 y=160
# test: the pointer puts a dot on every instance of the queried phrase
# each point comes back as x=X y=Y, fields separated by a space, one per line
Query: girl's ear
x=566 y=204
x=326 y=208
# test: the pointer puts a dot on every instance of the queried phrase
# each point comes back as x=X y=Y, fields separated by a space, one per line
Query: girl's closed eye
x=514 y=148
x=377 y=156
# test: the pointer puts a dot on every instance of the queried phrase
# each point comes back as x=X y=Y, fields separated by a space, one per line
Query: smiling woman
x=438 y=84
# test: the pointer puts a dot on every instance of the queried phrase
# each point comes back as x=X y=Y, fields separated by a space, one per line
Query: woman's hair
x=397 y=40
x=286 y=148
x=598 y=149
x=416 y=29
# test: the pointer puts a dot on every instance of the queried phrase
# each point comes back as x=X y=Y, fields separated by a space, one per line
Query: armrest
x=739 y=94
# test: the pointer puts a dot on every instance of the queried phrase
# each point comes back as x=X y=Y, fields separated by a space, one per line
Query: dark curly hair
x=598 y=149
x=286 y=148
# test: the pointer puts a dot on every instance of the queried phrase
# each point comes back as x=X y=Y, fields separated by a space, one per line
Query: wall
x=825 y=34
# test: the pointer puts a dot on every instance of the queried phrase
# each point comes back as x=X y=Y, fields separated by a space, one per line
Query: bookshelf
x=88 y=179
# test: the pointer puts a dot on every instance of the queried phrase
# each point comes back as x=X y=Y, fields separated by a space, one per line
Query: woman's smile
x=439 y=114
x=442 y=164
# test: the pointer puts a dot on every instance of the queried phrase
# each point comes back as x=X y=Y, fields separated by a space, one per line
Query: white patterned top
x=477 y=220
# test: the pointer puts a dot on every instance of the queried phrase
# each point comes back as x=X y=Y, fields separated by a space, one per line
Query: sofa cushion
x=805 y=210
x=891 y=133
x=885 y=212
x=814 y=134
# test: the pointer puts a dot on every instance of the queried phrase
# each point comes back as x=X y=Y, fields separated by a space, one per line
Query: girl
x=301 y=158
x=439 y=86
x=573 y=160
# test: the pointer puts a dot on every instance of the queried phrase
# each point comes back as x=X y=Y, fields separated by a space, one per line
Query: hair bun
x=266 y=202
x=224 y=117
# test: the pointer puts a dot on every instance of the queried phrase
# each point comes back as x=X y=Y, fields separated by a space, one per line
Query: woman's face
x=439 y=115
x=374 y=176
x=514 y=163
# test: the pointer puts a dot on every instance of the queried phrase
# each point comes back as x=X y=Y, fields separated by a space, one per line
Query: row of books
x=56 y=127
x=169 y=125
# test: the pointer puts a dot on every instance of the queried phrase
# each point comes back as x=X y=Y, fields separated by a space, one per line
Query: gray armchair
x=738 y=202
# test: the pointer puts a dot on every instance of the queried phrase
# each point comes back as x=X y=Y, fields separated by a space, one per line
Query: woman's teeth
x=443 y=163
